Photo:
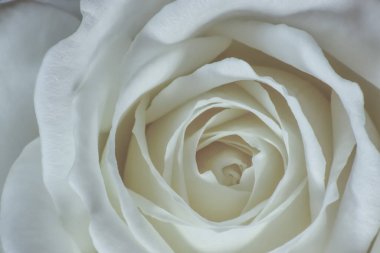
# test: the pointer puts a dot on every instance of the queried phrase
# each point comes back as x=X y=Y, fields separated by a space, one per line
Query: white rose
x=191 y=126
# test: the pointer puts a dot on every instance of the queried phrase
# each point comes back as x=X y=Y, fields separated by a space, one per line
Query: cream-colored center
x=223 y=162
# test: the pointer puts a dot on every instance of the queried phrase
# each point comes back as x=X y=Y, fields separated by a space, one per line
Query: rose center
x=222 y=163
x=232 y=174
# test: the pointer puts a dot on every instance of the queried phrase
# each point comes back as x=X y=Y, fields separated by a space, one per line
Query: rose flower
x=190 y=126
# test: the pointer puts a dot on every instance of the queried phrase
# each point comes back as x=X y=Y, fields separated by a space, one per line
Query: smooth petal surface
x=22 y=48
x=29 y=221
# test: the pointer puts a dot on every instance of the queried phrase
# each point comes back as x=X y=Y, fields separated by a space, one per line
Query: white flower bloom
x=190 y=126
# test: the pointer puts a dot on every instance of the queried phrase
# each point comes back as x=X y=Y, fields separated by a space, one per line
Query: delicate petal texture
x=19 y=67
x=30 y=222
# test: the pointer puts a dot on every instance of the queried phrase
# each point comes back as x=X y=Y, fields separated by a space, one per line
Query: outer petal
x=27 y=31
x=29 y=220
x=349 y=31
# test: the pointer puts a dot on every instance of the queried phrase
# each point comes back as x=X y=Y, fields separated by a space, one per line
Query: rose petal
x=257 y=91
x=139 y=168
x=318 y=232
x=191 y=238
x=29 y=220
x=201 y=14
x=204 y=79
x=178 y=59
x=370 y=91
x=311 y=111
x=108 y=231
